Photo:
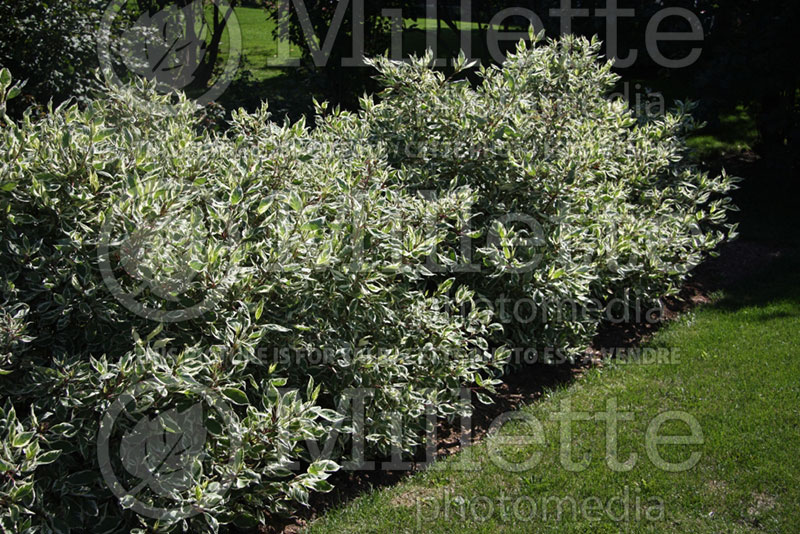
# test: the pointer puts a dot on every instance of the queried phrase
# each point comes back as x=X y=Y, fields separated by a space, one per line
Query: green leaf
x=236 y=195
x=236 y=396
x=277 y=328
x=5 y=79
x=322 y=486
x=484 y=398
x=295 y=202
x=245 y=520
x=263 y=206
x=48 y=457
x=23 y=493
x=22 y=439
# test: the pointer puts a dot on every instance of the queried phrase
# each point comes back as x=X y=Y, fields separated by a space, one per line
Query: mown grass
x=735 y=369
x=260 y=47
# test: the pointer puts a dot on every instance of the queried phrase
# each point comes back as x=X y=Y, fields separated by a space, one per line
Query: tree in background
x=749 y=59
x=745 y=47
x=330 y=51
x=199 y=27
x=51 y=44
x=54 y=44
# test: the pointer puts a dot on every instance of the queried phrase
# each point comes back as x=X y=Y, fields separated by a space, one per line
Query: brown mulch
x=736 y=261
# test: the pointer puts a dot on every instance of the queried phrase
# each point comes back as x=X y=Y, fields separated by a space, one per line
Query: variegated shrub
x=272 y=270
x=579 y=200
x=139 y=251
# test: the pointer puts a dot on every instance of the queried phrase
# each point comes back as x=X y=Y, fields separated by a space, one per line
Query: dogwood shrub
x=184 y=313
x=137 y=251
x=579 y=200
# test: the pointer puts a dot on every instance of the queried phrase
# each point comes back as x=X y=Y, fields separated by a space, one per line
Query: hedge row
x=182 y=309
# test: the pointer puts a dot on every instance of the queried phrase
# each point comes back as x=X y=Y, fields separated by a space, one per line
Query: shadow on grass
x=779 y=282
x=289 y=92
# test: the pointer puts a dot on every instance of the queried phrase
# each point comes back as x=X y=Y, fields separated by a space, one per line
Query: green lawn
x=735 y=370
x=260 y=47
x=736 y=132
